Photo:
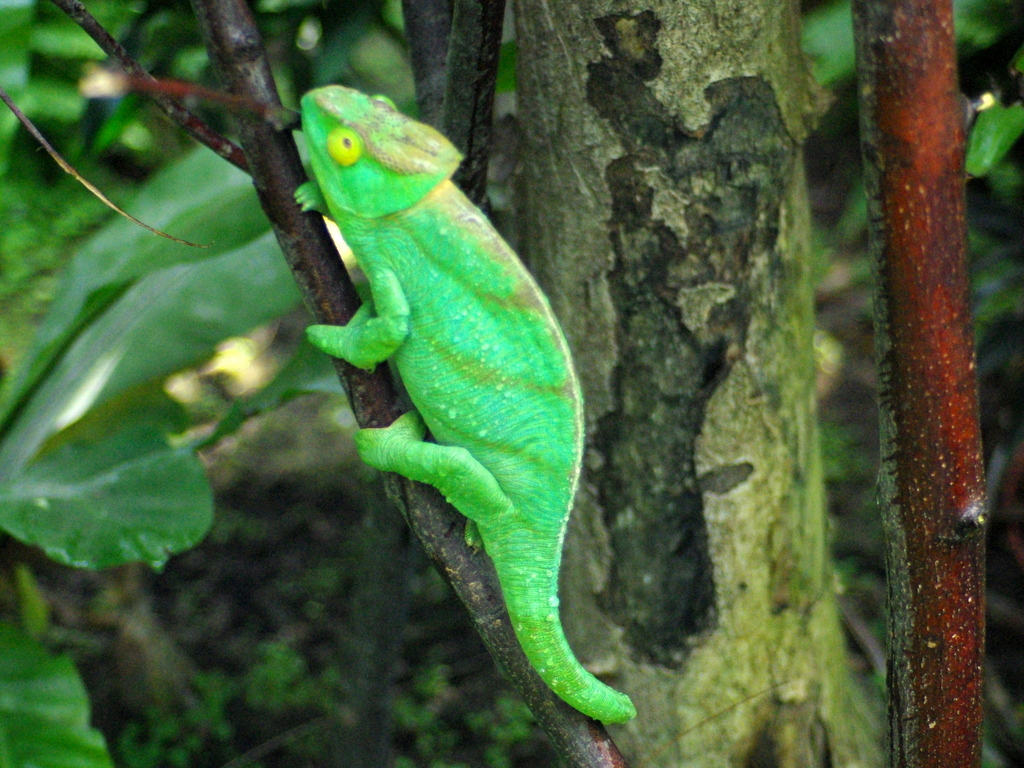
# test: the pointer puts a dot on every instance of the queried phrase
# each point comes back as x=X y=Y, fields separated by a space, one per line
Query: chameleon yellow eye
x=344 y=146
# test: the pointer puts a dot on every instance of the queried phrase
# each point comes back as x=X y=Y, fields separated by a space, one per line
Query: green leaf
x=51 y=99
x=202 y=198
x=14 y=17
x=124 y=114
x=165 y=322
x=980 y=23
x=828 y=41
x=995 y=131
x=122 y=323
x=62 y=39
x=44 y=711
x=506 y=81
x=110 y=490
x=15 y=35
x=34 y=609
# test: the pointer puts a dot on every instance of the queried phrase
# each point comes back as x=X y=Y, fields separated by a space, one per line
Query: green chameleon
x=478 y=349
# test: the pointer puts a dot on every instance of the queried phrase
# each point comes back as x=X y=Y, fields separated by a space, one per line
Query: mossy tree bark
x=662 y=206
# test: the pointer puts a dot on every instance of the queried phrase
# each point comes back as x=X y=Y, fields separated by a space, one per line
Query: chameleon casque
x=478 y=349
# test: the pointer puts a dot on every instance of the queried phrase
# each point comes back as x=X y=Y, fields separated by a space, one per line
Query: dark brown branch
x=428 y=25
x=236 y=49
x=237 y=52
x=931 y=484
x=471 y=72
x=455 y=77
x=195 y=127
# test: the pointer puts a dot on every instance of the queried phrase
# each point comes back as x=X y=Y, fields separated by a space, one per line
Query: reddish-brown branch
x=931 y=482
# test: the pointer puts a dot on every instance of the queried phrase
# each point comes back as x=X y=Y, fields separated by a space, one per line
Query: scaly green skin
x=480 y=353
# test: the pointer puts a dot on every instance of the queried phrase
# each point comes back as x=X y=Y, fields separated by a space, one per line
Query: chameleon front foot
x=310 y=197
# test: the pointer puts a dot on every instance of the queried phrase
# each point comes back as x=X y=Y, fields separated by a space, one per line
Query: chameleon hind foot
x=463 y=480
x=472 y=536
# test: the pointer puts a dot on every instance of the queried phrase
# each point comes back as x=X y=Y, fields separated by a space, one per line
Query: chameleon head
x=370 y=159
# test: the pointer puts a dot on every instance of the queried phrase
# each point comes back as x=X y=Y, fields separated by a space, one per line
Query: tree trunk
x=662 y=206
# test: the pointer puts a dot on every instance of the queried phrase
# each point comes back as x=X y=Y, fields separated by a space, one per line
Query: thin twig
x=67 y=168
x=931 y=483
x=276 y=742
x=193 y=125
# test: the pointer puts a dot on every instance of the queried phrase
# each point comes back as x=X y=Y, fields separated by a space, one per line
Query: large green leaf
x=110 y=490
x=165 y=322
x=201 y=198
x=44 y=711
x=118 y=497
x=122 y=323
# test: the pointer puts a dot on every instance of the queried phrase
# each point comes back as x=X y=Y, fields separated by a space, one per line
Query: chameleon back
x=485 y=363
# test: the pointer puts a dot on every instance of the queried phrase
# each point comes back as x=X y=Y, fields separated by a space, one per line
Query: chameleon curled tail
x=533 y=608
x=479 y=351
x=526 y=550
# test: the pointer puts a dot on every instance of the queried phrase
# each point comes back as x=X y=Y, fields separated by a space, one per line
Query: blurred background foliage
x=143 y=387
